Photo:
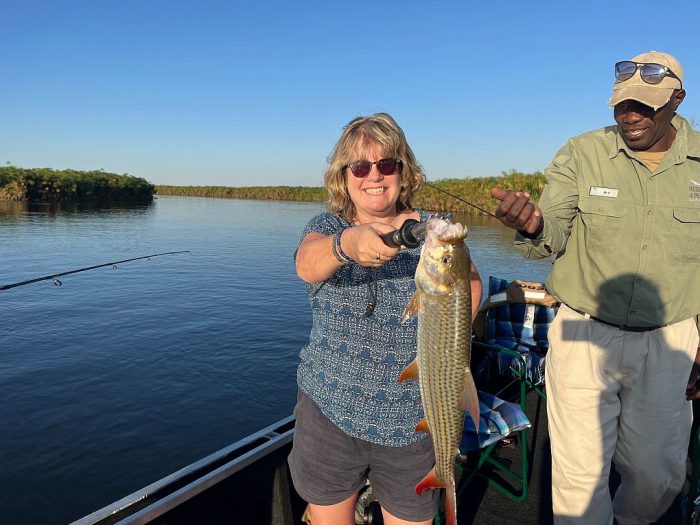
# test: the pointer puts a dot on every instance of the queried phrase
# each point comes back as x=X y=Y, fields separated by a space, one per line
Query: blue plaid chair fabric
x=497 y=419
x=517 y=317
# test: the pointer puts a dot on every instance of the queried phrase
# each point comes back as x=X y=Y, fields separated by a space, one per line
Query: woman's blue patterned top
x=351 y=364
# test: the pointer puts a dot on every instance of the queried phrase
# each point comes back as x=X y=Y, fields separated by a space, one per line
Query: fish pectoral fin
x=430 y=481
x=410 y=372
x=413 y=307
x=422 y=426
x=469 y=402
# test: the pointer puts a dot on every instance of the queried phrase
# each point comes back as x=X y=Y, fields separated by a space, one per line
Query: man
x=621 y=215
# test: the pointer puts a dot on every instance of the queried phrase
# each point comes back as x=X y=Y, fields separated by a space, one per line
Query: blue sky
x=256 y=93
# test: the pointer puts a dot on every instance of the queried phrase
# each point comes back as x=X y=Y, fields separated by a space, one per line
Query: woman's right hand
x=315 y=261
x=365 y=246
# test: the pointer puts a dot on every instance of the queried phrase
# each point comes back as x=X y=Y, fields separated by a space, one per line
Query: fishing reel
x=411 y=233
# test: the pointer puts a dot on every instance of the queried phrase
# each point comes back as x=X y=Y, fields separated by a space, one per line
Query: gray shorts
x=328 y=466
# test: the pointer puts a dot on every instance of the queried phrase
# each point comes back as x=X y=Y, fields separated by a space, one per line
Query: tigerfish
x=442 y=303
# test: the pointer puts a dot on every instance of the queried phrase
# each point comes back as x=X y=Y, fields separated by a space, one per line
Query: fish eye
x=446 y=260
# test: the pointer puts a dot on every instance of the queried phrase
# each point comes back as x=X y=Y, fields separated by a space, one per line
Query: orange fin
x=410 y=372
x=413 y=306
x=469 y=402
x=451 y=506
x=430 y=481
x=422 y=426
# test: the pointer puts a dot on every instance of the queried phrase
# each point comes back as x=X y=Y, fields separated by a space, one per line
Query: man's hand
x=692 y=391
x=517 y=211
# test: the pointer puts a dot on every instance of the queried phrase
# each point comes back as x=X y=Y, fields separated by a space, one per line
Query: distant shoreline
x=473 y=190
x=71 y=186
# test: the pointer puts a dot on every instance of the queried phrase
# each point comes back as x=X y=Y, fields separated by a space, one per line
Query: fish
x=442 y=303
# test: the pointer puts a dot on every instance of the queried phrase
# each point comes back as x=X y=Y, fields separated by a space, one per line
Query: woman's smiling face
x=375 y=195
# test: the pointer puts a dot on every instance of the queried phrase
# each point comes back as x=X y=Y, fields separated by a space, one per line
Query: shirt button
x=644 y=246
x=650 y=212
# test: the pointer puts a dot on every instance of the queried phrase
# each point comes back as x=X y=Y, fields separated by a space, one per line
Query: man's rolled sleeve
x=535 y=248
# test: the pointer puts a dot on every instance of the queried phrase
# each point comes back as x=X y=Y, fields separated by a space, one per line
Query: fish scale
x=443 y=337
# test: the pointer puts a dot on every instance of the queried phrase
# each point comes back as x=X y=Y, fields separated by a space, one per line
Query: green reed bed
x=475 y=190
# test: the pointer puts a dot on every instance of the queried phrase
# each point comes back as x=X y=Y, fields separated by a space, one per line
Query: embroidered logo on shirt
x=694 y=190
x=599 y=191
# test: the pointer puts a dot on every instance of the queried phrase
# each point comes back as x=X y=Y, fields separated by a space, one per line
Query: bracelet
x=337 y=249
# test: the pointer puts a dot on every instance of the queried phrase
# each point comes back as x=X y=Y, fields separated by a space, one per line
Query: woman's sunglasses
x=361 y=168
x=650 y=73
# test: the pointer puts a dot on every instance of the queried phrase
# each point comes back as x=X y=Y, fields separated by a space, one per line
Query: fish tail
x=432 y=481
x=451 y=505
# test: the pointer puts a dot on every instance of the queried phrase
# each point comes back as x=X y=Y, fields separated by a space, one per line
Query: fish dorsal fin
x=413 y=308
x=422 y=426
x=410 y=372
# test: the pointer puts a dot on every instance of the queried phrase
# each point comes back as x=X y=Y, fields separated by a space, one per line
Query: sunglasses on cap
x=361 y=168
x=650 y=73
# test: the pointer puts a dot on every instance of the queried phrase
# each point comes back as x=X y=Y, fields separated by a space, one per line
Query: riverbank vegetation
x=278 y=193
x=474 y=190
x=45 y=184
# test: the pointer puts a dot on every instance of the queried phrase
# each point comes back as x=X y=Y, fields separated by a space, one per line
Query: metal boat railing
x=245 y=482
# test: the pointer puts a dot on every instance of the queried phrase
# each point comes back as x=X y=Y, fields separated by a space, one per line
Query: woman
x=355 y=422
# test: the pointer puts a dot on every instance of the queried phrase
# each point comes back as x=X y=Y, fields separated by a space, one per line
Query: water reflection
x=52 y=209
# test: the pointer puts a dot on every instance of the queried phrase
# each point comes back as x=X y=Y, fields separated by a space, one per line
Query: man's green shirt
x=626 y=241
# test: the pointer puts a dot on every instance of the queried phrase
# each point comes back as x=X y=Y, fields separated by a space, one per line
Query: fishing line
x=460 y=199
x=57 y=282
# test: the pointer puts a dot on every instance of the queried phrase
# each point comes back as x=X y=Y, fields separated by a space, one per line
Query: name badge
x=599 y=191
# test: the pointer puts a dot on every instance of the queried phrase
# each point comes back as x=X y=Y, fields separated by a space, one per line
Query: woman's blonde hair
x=358 y=136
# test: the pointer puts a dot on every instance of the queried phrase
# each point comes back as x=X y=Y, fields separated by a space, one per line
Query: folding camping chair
x=508 y=354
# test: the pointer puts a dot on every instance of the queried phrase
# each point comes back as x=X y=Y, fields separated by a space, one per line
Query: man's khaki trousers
x=617 y=396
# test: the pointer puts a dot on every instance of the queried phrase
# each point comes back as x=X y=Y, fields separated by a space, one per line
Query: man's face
x=644 y=129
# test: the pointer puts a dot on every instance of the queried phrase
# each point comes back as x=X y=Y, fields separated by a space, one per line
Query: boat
x=248 y=483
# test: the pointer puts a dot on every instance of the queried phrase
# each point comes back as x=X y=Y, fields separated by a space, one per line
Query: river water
x=123 y=375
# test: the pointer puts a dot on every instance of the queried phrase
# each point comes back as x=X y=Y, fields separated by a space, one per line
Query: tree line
x=46 y=184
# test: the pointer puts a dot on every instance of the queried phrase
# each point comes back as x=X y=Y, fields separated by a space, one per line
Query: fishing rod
x=412 y=232
x=460 y=199
x=58 y=282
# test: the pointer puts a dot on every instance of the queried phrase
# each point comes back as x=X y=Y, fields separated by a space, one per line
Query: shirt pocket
x=603 y=222
x=686 y=234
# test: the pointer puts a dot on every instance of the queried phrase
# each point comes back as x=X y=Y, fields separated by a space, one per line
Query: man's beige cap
x=652 y=95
